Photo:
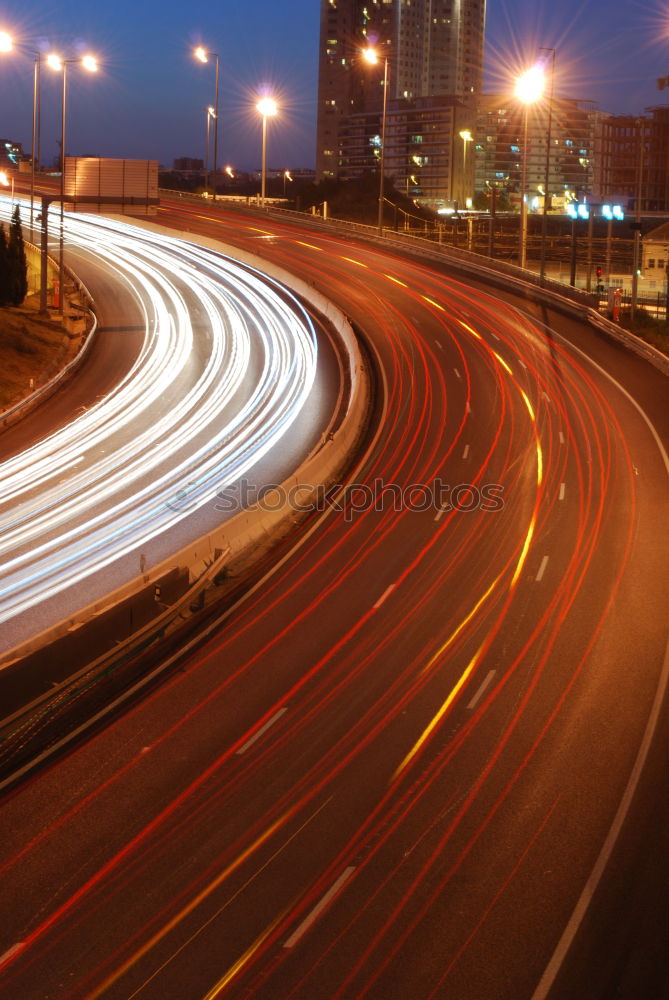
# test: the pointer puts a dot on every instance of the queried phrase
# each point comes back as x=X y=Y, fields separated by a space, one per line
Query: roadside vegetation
x=33 y=348
x=13 y=266
x=653 y=331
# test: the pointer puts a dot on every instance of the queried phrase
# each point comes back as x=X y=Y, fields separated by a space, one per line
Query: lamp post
x=204 y=57
x=60 y=65
x=210 y=115
x=529 y=88
x=467 y=137
x=544 y=216
x=6 y=181
x=267 y=107
x=372 y=57
x=286 y=177
x=6 y=46
x=640 y=126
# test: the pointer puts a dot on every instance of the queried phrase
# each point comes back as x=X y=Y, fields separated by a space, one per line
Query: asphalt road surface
x=391 y=771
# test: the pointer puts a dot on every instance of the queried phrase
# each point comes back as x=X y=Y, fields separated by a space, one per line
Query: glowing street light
x=467 y=137
x=371 y=56
x=7 y=45
x=267 y=107
x=529 y=89
x=59 y=65
x=5 y=181
x=203 y=55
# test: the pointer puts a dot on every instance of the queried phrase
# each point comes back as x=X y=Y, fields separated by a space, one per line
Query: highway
x=391 y=770
x=219 y=364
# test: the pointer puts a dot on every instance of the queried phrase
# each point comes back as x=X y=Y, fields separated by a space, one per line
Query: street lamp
x=467 y=137
x=529 y=89
x=267 y=107
x=59 y=65
x=210 y=115
x=544 y=217
x=7 y=45
x=204 y=57
x=372 y=57
x=286 y=177
x=5 y=181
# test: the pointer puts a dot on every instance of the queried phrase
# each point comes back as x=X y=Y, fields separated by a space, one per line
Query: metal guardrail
x=34 y=733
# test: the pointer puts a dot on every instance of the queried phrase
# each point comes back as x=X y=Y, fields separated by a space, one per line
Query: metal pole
x=264 y=160
x=43 y=255
x=609 y=234
x=522 y=255
x=383 y=142
x=216 y=128
x=544 y=217
x=206 y=151
x=572 y=277
x=62 y=189
x=588 y=277
x=637 y=215
x=491 y=222
x=32 y=153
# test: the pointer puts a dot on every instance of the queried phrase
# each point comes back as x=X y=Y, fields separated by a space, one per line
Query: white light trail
x=198 y=409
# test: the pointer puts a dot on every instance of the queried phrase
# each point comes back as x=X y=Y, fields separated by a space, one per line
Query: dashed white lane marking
x=457 y=373
x=481 y=691
x=562 y=489
x=10 y=951
x=319 y=907
x=263 y=729
x=542 y=569
x=466 y=451
x=383 y=596
x=561 y=438
x=440 y=513
x=546 y=397
x=439 y=345
x=469 y=409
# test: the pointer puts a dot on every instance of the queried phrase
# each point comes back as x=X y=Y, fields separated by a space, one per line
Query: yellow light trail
x=470 y=329
x=186 y=910
x=433 y=303
x=440 y=714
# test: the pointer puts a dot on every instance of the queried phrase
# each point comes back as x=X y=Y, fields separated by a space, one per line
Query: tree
x=4 y=268
x=18 y=266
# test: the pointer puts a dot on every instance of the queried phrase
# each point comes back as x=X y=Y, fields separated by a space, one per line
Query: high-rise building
x=634 y=163
x=434 y=49
x=575 y=132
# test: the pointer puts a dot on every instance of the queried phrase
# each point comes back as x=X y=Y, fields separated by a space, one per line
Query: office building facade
x=434 y=50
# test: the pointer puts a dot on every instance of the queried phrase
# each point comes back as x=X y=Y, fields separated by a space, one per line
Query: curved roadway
x=390 y=772
x=219 y=365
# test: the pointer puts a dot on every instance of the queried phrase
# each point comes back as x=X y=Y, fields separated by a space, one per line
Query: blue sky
x=150 y=97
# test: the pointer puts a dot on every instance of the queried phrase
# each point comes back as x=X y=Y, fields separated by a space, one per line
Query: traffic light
x=599 y=274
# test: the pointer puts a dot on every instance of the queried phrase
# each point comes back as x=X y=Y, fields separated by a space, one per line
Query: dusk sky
x=150 y=96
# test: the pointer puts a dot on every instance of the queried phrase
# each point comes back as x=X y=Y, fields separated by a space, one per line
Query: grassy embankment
x=653 y=331
x=31 y=347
